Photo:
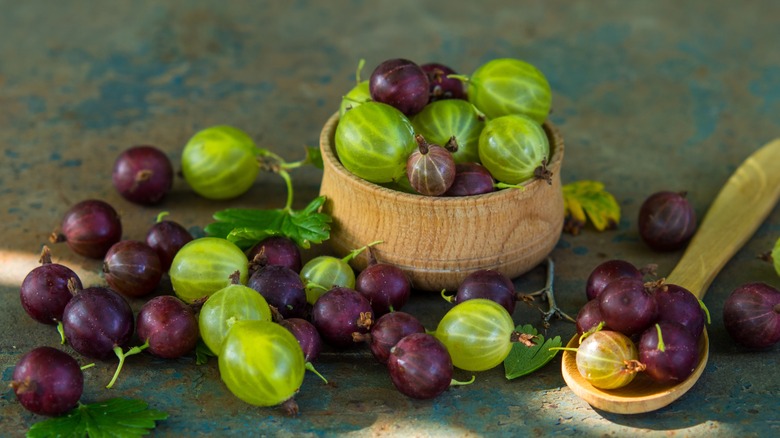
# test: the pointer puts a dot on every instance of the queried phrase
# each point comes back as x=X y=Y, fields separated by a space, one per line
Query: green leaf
x=202 y=353
x=776 y=256
x=314 y=157
x=245 y=226
x=117 y=417
x=524 y=360
x=588 y=198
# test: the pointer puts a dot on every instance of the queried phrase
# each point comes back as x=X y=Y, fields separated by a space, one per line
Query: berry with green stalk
x=322 y=273
x=358 y=95
x=98 y=322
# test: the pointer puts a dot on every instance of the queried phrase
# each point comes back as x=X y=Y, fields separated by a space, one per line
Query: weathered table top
x=661 y=95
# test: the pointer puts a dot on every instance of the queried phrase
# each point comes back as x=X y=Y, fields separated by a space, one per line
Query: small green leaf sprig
x=116 y=417
x=247 y=226
x=524 y=359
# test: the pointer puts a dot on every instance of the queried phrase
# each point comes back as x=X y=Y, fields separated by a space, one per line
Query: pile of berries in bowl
x=454 y=174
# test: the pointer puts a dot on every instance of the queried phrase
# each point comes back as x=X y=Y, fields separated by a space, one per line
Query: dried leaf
x=587 y=200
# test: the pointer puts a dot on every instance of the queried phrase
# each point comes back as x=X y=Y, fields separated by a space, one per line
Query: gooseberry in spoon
x=606 y=272
x=732 y=218
x=668 y=351
x=608 y=359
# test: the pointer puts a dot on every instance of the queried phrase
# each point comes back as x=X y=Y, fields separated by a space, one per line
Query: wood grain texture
x=740 y=207
x=437 y=241
x=640 y=396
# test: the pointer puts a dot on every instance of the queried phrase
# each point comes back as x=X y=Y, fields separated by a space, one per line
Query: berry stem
x=634 y=366
x=45 y=258
x=290 y=407
x=122 y=356
x=448 y=298
x=288 y=181
x=361 y=337
x=454 y=382
x=707 y=311
x=592 y=330
x=452 y=145
x=56 y=237
x=61 y=331
x=272 y=162
x=661 y=346
x=235 y=277
x=365 y=320
x=422 y=144
x=352 y=99
x=310 y=367
x=356 y=252
x=523 y=338
x=463 y=78
x=549 y=294
x=500 y=185
x=361 y=64
x=542 y=172
x=563 y=349
x=371 y=256
x=160 y=216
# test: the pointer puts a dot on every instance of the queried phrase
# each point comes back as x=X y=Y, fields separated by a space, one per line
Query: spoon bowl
x=743 y=203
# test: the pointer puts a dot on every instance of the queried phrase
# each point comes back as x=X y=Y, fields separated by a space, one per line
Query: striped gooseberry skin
x=374 y=140
x=226 y=306
x=90 y=227
x=358 y=95
x=442 y=119
x=510 y=86
x=477 y=333
x=512 y=147
x=602 y=359
x=261 y=363
x=204 y=266
x=431 y=169
x=322 y=273
x=219 y=162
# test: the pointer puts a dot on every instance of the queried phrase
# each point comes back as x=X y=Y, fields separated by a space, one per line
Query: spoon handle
x=743 y=203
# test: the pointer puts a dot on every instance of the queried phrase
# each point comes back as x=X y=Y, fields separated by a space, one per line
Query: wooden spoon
x=743 y=203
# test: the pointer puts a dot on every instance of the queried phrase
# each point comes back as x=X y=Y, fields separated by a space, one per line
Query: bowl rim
x=328 y=151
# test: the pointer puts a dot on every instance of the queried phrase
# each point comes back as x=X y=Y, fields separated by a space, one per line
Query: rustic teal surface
x=651 y=96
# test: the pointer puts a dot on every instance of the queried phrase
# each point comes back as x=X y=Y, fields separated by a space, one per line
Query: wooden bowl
x=438 y=241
